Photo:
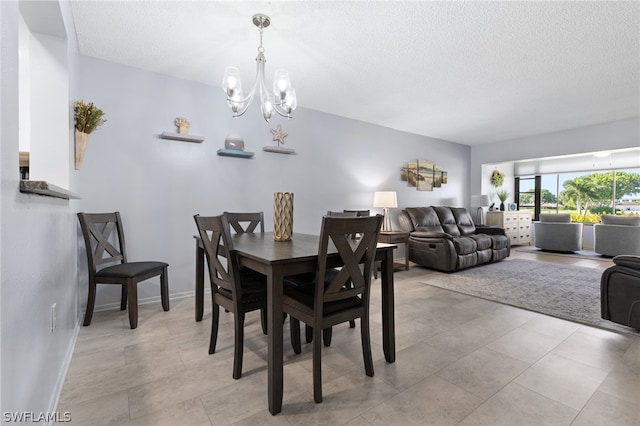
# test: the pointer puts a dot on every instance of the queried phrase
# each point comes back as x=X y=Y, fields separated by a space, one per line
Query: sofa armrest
x=489 y=230
x=628 y=261
x=405 y=222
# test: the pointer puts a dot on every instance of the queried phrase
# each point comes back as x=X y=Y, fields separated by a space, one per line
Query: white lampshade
x=385 y=199
x=480 y=201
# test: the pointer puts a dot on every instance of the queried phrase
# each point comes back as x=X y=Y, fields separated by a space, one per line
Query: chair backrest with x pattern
x=357 y=257
x=245 y=222
x=221 y=258
x=97 y=230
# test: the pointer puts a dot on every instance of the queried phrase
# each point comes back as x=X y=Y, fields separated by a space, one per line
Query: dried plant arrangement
x=88 y=117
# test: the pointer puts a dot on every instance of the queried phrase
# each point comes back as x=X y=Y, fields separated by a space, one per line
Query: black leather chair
x=326 y=300
x=238 y=290
x=106 y=248
x=620 y=291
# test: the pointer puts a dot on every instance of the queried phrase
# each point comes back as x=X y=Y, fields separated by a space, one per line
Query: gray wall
x=158 y=185
x=609 y=136
x=37 y=258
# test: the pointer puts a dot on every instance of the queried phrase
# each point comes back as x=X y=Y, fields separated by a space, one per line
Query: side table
x=397 y=237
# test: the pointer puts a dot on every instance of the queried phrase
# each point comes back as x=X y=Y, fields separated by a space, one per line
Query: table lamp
x=480 y=201
x=386 y=200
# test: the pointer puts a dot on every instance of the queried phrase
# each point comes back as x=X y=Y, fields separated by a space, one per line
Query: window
x=586 y=195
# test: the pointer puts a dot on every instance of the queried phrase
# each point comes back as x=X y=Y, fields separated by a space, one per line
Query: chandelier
x=283 y=101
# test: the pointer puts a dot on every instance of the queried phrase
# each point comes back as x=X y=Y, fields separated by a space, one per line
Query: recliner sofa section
x=446 y=239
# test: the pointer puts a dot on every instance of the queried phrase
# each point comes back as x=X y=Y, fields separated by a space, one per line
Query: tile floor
x=460 y=361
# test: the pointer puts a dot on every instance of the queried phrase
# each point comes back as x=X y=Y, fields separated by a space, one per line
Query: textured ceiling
x=467 y=72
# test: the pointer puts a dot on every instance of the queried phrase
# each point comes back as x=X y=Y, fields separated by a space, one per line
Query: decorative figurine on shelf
x=234 y=142
x=234 y=147
x=279 y=135
x=183 y=125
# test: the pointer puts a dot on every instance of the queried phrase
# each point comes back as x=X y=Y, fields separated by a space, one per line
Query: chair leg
x=238 y=345
x=91 y=301
x=366 y=345
x=308 y=333
x=317 y=365
x=326 y=336
x=263 y=321
x=123 y=297
x=164 y=289
x=132 y=295
x=215 y=320
x=294 y=325
x=352 y=324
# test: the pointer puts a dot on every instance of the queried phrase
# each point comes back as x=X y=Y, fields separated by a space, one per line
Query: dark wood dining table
x=277 y=259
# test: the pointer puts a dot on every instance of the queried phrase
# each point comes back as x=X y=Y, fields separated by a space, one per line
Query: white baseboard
x=152 y=299
x=62 y=374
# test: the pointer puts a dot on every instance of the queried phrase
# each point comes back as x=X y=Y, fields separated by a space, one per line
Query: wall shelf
x=235 y=153
x=181 y=137
x=45 y=188
x=279 y=149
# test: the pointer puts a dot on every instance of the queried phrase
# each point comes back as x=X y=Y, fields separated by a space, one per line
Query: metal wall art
x=423 y=174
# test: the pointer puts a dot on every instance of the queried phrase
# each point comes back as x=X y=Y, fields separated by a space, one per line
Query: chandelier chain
x=260 y=48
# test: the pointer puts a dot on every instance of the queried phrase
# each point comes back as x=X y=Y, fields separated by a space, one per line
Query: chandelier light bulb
x=285 y=96
x=281 y=84
x=290 y=102
x=235 y=102
x=231 y=83
x=267 y=108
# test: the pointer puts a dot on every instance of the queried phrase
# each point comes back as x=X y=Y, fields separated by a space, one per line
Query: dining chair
x=105 y=248
x=359 y=213
x=333 y=302
x=245 y=222
x=352 y=324
x=238 y=290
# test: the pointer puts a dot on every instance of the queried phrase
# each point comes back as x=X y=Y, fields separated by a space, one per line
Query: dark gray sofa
x=446 y=239
x=620 y=291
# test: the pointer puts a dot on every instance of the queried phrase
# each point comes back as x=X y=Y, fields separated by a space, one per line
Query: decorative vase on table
x=282 y=216
x=501 y=207
x=82 y=139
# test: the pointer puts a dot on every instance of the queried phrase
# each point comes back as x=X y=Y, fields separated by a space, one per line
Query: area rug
x=587 y=254
x=567 y=292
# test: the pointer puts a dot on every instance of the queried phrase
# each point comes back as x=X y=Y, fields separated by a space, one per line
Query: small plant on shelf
x=502 y=196
x=183 y=125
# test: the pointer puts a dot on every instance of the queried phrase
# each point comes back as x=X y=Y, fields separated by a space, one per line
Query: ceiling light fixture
x=284 y=100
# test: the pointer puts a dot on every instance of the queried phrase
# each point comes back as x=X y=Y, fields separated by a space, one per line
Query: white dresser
x=517 y=225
